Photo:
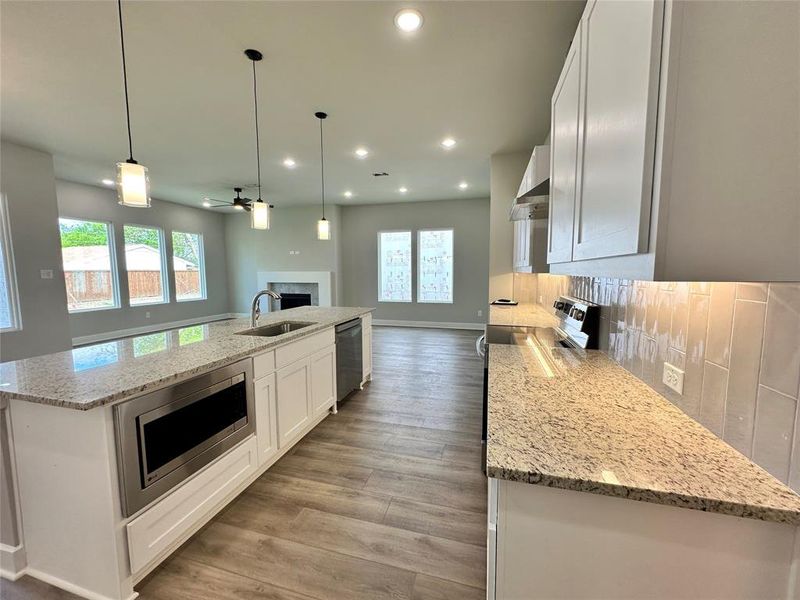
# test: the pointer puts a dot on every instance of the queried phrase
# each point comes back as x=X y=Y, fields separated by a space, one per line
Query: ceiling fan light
x=133 y=185
x=323 y=229
x=260 y=215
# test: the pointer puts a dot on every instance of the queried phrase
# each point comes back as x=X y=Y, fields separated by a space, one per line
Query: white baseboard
x=429 y=324
x=71 y=587
x=12 y=561
x=121 y=333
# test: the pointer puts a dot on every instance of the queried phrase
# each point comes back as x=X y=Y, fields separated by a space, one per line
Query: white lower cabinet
x=322 y=371
x=366 y=347
x=266 y=418
x=188 y=507
x=293 y=400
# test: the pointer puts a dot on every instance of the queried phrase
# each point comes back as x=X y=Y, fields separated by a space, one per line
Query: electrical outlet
x=480 y=313
x=46 y=273
x=673 y=378
x=147 y=315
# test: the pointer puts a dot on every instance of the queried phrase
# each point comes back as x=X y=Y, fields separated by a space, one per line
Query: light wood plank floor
x=385 y=500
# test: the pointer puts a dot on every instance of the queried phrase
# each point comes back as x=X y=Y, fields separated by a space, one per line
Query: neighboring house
x=138 y=257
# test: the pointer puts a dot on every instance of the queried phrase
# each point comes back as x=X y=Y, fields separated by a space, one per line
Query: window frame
x=201 y=266
x=452 y=271
x=112 y=257
x=10 y=268
x=410 y=233
x=163 y=255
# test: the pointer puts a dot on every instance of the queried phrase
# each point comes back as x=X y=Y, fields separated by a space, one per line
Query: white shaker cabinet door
x=292 y=390
x=266 y=430
x=564 y=156
x=323 y=380
x=621 y=55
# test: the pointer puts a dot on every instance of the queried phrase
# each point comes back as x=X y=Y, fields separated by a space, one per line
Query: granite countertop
x=574 y=419
x=108 y=372
x=530 y=315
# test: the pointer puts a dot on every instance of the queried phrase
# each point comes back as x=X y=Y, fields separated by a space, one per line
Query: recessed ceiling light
x=362 y=152
x=108 y=182
x=408 y=20
x=463 y=185
x=348 y=194
x=289 y=163
x=206 y=203
x=448 y=143
x=403 y=190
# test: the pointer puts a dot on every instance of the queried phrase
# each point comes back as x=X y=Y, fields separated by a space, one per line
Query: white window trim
x=162 y=250
x=419 y=266
x=411 y=266
x=201 y=267
x=112 y=257
x=10 y=268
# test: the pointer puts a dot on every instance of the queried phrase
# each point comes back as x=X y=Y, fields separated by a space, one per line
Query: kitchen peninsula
x=95 y=525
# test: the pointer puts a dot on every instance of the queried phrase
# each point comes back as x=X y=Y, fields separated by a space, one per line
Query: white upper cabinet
x=621 y=53
x=679 y=160
x=564 y=156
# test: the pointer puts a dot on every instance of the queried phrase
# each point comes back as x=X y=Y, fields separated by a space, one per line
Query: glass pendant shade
x=260 y=215
x=133 y=185
x=323 y=229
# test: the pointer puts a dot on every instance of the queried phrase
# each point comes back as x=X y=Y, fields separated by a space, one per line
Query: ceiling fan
x=238 y=202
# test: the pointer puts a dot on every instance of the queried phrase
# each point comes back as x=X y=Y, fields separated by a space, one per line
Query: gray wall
x=28 y=182
x=470 y=221
x=506 y=173
x=80 y=201
x=293 y=229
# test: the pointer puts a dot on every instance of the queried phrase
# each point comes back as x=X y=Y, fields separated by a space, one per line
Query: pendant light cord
x=258 y=147
x=322 y=166
x=125 y=81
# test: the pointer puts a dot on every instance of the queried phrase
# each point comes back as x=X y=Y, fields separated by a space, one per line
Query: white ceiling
x=481 y=72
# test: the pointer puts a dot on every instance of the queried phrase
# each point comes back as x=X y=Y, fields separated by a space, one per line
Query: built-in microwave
x=165 y=436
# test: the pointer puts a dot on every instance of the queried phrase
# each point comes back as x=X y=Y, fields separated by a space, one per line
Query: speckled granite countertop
x=100 y=374
x=576 y=420
x=530 y=315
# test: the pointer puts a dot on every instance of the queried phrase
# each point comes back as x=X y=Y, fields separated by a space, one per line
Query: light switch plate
x=673 y=378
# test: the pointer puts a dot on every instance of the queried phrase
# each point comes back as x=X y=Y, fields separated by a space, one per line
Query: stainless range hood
x=532 y=197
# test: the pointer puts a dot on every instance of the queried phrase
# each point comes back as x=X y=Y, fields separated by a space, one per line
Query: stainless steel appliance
x=349 y=370
x=579 y=328
x=166 y=436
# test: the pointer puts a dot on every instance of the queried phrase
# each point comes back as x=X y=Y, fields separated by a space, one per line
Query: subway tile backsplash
x=738 y=344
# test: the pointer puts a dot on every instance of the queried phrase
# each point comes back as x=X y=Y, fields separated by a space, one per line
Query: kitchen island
x=663 y=509
x=82 y=529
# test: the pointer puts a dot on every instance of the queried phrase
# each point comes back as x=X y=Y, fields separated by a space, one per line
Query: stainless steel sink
x=274 y=329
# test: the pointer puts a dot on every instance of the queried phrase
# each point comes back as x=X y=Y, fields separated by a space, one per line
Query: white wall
x=27 y=180
x=79 y=201
x=506 y=173
x=293 y=229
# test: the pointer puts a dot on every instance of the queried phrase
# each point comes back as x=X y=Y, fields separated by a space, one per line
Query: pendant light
x=260 y=213
x=133 y=184
x=323 y=225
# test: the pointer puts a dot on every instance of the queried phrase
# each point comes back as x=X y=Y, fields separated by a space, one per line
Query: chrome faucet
x=255 y=308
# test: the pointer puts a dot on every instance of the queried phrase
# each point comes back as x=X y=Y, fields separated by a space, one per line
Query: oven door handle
x=480 y=348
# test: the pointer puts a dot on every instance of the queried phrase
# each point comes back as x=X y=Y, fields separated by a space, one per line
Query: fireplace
x=289 y=300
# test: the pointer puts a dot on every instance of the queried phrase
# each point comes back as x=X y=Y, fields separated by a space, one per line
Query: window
x=89 y=267
x=9 y=305
x=394 y=266
x=144 y=262
x=187 y=261
x=435 y=266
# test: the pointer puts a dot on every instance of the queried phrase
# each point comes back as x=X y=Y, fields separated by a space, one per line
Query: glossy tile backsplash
x=738 y=344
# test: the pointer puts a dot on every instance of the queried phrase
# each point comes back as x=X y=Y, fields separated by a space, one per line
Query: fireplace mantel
x=324 y=279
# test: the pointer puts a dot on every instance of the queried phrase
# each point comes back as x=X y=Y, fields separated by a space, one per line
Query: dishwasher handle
x=349 y=325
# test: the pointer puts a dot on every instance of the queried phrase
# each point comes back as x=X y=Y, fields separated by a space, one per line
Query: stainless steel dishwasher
x=349 y=372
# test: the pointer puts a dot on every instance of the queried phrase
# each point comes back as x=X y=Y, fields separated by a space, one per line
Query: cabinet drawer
x=286 y=355
x=263 y=364
x=157 y=529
